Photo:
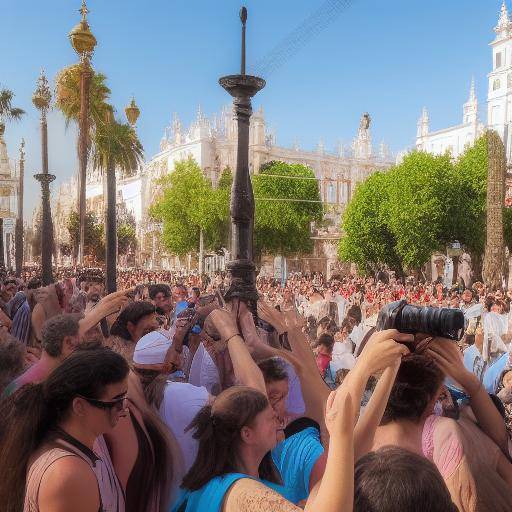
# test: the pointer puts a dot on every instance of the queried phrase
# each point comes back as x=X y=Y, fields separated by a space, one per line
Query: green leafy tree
x=126 y=238
x=471 y=181
x=218 y=235
x=285 y=207
x=421 y=207
x=186 y=206
x=367 y=239
x=116 y=147
x=94 y=236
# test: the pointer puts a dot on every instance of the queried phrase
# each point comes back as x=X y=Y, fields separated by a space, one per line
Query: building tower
x=470 y=109
x=499 y=99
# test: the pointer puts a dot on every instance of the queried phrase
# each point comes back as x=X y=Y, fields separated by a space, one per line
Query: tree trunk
x=111 y=230
x=494 y=259
x=83 y=142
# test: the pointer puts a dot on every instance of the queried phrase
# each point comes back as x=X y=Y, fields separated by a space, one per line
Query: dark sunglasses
x=118 y=404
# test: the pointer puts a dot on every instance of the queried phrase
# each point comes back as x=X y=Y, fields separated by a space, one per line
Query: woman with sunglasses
x=49 y=457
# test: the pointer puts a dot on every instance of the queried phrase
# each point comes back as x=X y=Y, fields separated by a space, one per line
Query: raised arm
x=448 y=357
x=110 y=304
x=246 y=370
x=314 y=390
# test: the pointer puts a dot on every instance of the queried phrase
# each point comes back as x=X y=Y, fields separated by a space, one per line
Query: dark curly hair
x=417 y=382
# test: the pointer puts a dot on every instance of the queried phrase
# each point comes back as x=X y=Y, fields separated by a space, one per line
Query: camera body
x=409 y=319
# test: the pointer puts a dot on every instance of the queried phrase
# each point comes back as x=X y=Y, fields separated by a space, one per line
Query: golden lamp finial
x=132 y=112
x=81 y=37
x=84 y=11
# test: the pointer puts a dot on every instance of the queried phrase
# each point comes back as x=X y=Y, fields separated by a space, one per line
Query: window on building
x=498 y=60
x=496 y=84
x=509 y=81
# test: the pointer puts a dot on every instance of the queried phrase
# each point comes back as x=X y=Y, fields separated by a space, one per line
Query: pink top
x=112 y=497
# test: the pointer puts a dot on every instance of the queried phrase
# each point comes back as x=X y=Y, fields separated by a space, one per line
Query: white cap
x=151 y=349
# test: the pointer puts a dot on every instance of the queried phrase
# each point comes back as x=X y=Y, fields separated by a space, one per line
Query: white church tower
x=470 y=108
x=499 y=99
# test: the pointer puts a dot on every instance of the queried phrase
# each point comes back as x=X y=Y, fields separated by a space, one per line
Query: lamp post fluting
x=242 y=88
x=41 y=100
x=18 y=233
x=83 y=42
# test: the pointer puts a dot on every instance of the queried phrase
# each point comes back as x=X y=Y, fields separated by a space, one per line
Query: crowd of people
x=162 y=397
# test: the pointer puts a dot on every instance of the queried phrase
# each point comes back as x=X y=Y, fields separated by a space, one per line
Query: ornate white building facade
x=499 y=103
x=212 y=144
x=8 y=200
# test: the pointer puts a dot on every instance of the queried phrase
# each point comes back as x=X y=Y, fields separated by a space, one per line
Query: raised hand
x=448 y=358
x=222 y=322
x=382 y=350
x=271 y=315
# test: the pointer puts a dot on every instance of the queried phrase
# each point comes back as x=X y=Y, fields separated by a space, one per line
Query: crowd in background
x=163 y=397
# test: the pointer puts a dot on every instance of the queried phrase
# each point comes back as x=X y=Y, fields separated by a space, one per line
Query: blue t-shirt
x=296 y=456
x=211 y=496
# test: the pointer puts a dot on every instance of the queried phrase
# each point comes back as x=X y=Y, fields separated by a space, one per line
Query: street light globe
x=42 y=96
x=82 y=39
x=132 y=112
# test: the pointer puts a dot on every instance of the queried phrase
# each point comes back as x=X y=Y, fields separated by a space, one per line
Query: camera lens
x=442 y=322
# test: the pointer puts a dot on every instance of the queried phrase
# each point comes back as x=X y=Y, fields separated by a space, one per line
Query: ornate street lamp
x=18 y=234
x=242 y=270
x=42 y=99
x=83 y=42
x=132 y=112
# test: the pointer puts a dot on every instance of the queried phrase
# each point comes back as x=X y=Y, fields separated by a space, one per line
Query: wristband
x=231 y=337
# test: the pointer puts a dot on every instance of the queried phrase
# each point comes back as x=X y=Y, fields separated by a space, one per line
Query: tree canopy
x=187 y=205
x=399 y=218
x=285 y=207
x=367 y=240
x=94 y=235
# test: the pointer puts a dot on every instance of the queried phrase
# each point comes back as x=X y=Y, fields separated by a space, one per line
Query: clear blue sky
x=389 y=58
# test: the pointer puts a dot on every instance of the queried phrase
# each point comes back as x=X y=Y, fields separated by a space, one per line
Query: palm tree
x=116 y=146
x=7 y=113
x=67 y=96
x=68 y=100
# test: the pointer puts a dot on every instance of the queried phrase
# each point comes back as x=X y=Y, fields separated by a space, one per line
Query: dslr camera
x=436 y=322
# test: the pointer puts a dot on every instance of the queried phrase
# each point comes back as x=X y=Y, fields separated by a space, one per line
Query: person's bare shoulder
x=69 y=484
x=248 y=495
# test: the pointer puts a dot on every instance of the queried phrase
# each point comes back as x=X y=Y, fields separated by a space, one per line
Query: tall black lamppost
x=41 y=99
x=83 y=42
x=242 y=270
x=18 y=234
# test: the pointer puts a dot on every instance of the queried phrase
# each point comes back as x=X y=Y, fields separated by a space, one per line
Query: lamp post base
x=242 y=285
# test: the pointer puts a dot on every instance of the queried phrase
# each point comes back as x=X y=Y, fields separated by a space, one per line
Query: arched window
x=496 y=85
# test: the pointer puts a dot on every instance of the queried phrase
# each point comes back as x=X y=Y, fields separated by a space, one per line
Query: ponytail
x=25 y=419
x=217 y=429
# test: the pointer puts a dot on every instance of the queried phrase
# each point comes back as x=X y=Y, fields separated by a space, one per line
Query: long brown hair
x=153 y=385
x=35 y=409
x=217 y=428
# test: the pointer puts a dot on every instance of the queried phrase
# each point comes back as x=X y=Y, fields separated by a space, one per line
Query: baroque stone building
x=8 y=198
x=499 y=102
x=212 y=144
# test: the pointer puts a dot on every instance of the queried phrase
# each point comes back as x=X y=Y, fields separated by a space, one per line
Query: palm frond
x=7 y=111
x=15 y=114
